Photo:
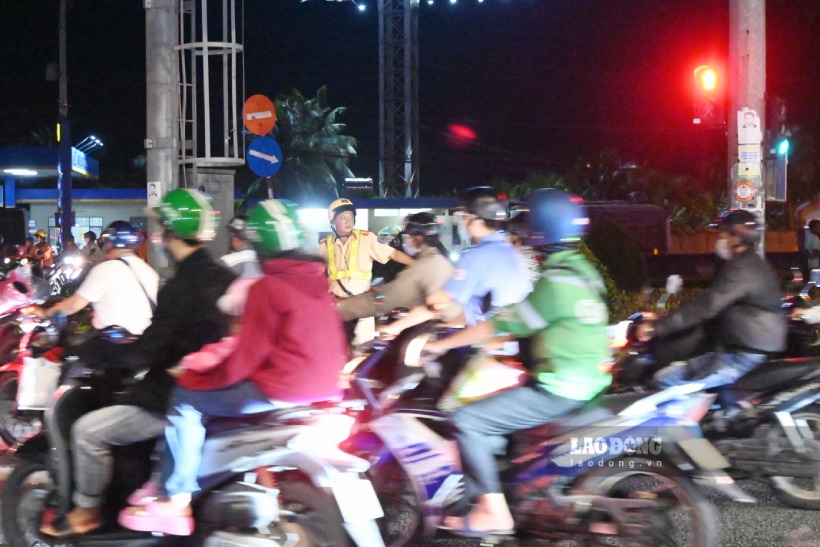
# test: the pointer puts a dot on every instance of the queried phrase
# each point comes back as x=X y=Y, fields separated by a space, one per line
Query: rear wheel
x=681 y=515
x=402 y=521
x=802 y=492
x=26 y=507
x=313 y=512
x=16 y=425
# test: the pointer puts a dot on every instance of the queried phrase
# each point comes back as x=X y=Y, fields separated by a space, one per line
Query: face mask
x=408 y=250
x=463 y=232
x=722 y=249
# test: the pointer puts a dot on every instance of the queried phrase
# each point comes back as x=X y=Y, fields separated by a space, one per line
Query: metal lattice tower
x=210 y=81
x=398 y=98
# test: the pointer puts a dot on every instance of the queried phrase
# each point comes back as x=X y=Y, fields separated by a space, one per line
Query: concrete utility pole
x=747 y=90
x=161 y=100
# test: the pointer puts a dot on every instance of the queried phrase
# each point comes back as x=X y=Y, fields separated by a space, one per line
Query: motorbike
x=65 y=276
x=19 y=293
x=803 y=338
x=274 y=479
x=598 y=475
x=771 y=435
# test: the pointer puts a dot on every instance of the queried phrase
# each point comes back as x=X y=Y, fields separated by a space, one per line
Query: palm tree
x=315 y=151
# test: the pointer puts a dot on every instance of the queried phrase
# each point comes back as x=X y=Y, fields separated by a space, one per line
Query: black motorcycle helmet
x=486 y=203
x=739 y=222
x=422 y=224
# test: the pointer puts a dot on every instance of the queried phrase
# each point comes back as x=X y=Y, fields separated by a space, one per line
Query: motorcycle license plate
x=357 y=500
x=704 y=454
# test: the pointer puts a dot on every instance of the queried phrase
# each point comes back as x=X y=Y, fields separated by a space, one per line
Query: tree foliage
x=315 y=150
x=606 y=177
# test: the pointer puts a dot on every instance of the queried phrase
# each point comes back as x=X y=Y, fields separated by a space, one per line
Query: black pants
x=350 y=330
x=521 y=408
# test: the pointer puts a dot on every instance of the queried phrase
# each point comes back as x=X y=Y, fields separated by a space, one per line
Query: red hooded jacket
x=291 y=344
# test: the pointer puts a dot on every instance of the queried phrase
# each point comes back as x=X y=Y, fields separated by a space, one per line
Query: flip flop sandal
x=155 y=517
x=466 y=531
x=60 y=528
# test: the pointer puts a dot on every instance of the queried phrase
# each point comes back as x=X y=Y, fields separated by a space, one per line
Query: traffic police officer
x=349 y=254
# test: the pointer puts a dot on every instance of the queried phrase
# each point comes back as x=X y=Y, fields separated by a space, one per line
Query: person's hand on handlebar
x=41 y=313
x=434 y=348
x=645 y=330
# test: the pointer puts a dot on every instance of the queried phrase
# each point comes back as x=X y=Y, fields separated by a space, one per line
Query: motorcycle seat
x=775 y=374
x=596 y=410
x=276 y=417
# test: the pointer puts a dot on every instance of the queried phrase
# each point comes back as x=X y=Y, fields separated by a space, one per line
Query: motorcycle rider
x=242 y=259
x=350 y=253
x=289 y=351
x=70 y=246
x=567 y=315
x=122 y=290
x=428 y=273
x=42 y=255
x=186 y=319
x=743 y=298
x=91 y=251
x=489 y=275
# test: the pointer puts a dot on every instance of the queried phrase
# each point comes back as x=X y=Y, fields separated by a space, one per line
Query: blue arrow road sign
x=264 y=156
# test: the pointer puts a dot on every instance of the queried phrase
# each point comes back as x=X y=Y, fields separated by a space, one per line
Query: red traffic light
x=706 y=78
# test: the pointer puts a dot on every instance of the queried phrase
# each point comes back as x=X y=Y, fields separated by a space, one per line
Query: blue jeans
x=720 y=369
x=186 y=435
x=513 y=410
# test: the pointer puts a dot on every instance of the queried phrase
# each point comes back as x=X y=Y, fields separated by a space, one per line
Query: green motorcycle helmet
x=188 y=214
x=273 y=227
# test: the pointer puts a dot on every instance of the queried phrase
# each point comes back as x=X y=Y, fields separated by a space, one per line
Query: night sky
x=541 y=82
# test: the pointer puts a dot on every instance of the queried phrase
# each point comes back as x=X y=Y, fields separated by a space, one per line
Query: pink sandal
x=157 y=517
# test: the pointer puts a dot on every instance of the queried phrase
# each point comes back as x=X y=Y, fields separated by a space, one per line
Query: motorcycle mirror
x=20 y=287
x=673 y=284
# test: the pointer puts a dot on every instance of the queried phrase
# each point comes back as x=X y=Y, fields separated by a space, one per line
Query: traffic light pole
x=747 y=89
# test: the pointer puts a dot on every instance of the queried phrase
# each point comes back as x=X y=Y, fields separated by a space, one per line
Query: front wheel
x=682 y=515
x=802 y=492
x=16 y=425
x=26 y=496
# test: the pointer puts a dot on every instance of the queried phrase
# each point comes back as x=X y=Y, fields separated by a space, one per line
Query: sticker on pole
x=259 y=115
x=744 y=191
x=264 y=156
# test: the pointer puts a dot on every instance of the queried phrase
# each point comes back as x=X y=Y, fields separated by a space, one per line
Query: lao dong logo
x=615 y=446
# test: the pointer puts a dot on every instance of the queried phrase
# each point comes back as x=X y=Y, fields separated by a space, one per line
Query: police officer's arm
x=382 y=252
x=400 y=257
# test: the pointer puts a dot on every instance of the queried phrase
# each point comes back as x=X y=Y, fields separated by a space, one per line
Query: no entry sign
x=259 y=115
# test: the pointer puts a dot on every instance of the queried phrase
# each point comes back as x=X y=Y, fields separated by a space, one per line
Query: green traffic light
x=783 y=147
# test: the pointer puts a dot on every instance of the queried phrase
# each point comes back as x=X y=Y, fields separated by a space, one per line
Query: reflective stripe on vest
x=353 y=261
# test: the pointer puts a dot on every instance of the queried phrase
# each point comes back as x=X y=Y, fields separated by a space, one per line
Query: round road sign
x=744 y=191
x=259 y=114
x=264 y=156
